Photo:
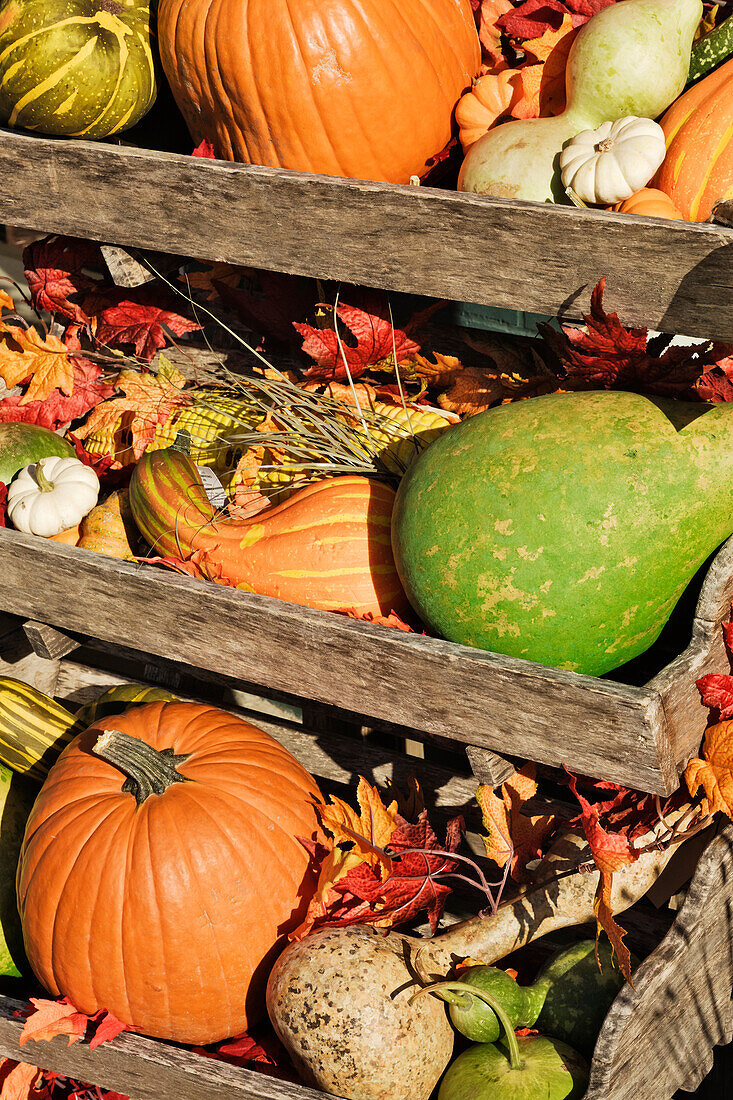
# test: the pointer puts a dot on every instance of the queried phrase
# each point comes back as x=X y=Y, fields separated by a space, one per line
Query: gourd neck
x=149 y=771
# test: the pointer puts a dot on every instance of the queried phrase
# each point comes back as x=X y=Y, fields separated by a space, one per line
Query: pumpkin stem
x=148 y=770
x=44 y=484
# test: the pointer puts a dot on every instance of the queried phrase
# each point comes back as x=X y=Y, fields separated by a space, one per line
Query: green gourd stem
x=44 y=484
x=710 y=50
x=148 y=770
x=515 y=1058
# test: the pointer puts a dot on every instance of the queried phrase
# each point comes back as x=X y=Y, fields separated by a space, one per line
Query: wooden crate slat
x=605 y=729
x=673 y=276
x=143 y=1068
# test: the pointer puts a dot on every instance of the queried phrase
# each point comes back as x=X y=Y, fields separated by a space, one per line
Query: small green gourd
x=631 y=58
x=710 y=50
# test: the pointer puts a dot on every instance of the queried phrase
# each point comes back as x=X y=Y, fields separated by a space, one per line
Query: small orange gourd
x=650 y=202
x=492 y=96
x=109 y=528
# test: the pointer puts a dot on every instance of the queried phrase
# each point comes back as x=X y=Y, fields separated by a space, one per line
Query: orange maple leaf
x=375 y=823
x=541 y=86
x=6 y=302
x=204 y=280
x=53 y=1018
x=18 y=1080
x=489 y=33
x=24 y=353
x=605 y=920
x=148 y=401
x=714 y=771
x=510 y=833
x=542 y=48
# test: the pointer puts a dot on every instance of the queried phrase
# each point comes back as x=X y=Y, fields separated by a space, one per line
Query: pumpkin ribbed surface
x=75 y=68
x=357 y=88
x=651 y=203
x=698 y=169
x=168 y=912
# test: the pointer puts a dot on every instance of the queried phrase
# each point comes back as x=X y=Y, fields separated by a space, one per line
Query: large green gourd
x=75 y=68
x=17 y=795
x=632 y=58
x=563 y=529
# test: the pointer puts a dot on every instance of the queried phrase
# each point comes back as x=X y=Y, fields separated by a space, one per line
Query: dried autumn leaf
x=714 y=771
x=6 y=302
x=374 y=823
x=25 y=354
x=148 y=401
x=18 y=1080
x=511 y=834
x=226 y=274
x=57 y=269
x=487 y=13
x=552 y=49
x=204 y=149
x=53 y=1018
x=368 y=341
x=605 y=921
x=58 y=409
x=107 y=1027
x=267 y=301
x=530 y=19
x=611 y=356
x=138 y=316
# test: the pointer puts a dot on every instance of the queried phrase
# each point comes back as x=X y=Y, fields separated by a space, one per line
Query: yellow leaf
x=541 y=48
x=375 y=822
x=24 y=353
x=6 y=302
x=714 y=772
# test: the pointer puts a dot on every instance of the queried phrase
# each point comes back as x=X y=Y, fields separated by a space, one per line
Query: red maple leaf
x=204 y=149
x=611 y=356
x=137 y=316
x=51 y=1018
x=716 y=688
x=58 y=408
x=367 y=338
x=56 y=269
x=532 y=18
x=268 y=301
x=412 y=886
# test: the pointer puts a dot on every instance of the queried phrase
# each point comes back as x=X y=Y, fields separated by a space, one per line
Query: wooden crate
x=657 y=1037
x=672 y=276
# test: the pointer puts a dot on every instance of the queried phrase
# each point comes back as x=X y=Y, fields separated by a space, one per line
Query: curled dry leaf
x=26 y=355
x=512 y=835
x=714 y=770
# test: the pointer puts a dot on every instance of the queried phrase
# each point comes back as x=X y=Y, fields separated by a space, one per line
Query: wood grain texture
x=673 y=276
x=144 y=1068
x=49 y=642
x=508 y=705
x=660 y=1036
x=686 y=716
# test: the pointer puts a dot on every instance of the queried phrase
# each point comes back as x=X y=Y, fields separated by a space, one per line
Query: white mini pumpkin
x=52 y=495
x=611 y=163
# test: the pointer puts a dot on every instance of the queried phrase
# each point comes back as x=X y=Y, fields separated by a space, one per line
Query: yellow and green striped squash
x=34 y=729
x=75 y=68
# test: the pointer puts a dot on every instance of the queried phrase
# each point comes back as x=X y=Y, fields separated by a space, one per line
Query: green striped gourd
x=33 y=729
x=564 y=529
x=711 y=49
x=75 y=68
x=121 y=698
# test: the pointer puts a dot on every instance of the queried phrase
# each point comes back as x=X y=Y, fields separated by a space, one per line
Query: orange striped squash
x=328 y=546
x=698 y=169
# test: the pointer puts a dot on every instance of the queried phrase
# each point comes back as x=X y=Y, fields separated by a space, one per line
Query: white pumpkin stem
x=44 y=483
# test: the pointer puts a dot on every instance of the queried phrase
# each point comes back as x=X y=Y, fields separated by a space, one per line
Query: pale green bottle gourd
x=632 y=58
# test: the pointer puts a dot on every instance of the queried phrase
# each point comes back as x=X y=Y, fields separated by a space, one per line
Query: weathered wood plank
x=143 y=1068
x=660 y=1036
x=48 y=642
x=673 y=276
x=474 y=697
x=686 y=715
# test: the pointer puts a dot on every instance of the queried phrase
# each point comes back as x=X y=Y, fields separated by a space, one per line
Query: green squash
x=631 y=58
x=75 y=68
x=23 y=444
x=16 y=799
x=564 y=529
x=546 y=1069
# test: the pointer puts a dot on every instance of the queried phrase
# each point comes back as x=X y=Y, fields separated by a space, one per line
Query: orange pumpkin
x=358 y=88
x=327 y=546
x=651 y=203
x=698 y=169
x=161 y=871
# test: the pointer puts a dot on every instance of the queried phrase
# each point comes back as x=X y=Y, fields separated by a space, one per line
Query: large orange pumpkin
x=358 y=88
x=158 y=882
x=698 y=169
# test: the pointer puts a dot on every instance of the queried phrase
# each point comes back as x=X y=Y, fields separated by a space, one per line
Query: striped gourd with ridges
x=328 y=546
x=698 y=169
x=33 y=728
x=75 y=68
